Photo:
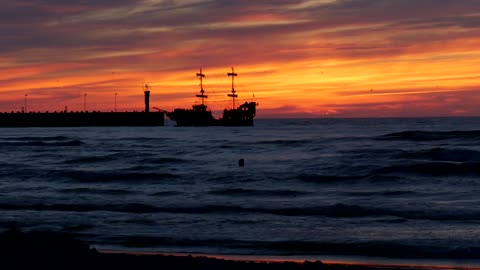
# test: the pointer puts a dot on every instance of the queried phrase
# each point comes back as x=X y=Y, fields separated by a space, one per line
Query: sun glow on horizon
x=312 y=58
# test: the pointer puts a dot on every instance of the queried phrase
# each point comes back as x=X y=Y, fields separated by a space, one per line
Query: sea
x=314 y=188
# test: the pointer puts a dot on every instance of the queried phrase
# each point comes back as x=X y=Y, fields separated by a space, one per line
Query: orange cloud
x=302 y=59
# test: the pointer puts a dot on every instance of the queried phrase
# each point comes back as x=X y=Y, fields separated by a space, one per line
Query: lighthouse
x=147 y=98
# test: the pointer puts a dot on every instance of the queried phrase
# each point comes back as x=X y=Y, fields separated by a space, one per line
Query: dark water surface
x=384 y=187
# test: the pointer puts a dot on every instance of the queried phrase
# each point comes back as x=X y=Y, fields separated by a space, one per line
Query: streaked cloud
x=324 y=55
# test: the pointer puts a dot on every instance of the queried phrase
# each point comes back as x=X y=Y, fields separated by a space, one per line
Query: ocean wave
x=372 y=152
x=166 y=193
x=284 y=142
x=151 y=241
x=90 y=159
x=443 y=154
x=433 y=168
x=228 y=146
x=431 y=135
x=256 y=192
x=367 y=248
x=146 y=139
x=127 y=208
x=333 y=211
x=380 y=193
x=43 y=143
x=379 y=248
x=97 y=191
x=112 y=176
x=141 y=221
x=394 y=172
x=48 y=138
x=372 y=177
x=315 y=178
x=164 y=160
x=77 y=227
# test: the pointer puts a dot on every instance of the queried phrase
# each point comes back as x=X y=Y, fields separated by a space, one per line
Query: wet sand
x=49 y=250
x=327 y=261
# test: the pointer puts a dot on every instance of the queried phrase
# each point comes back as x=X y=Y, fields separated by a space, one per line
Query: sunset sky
x=312 y=58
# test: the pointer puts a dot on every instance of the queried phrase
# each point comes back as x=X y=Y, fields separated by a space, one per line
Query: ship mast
x=202 y=95
x=232 y=95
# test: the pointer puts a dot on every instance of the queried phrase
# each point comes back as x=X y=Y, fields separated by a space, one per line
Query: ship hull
x=242 y=116
x=81 y=119
x=186 y=118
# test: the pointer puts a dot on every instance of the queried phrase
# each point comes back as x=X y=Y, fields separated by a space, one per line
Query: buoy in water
x=241 y=162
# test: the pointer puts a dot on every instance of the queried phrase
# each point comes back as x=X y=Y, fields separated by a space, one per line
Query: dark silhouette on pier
x=79 y=119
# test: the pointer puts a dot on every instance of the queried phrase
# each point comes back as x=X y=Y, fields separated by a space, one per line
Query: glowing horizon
x=336 y=58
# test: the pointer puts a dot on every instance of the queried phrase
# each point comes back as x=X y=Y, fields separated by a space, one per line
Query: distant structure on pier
x=84 y=118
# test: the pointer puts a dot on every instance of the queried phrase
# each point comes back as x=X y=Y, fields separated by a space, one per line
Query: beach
x=50 y=250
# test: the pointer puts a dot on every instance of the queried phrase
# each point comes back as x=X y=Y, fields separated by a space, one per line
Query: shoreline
x=331 y=260
x=52 y=250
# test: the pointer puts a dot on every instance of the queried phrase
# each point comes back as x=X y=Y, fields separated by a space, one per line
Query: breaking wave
x=431 y=135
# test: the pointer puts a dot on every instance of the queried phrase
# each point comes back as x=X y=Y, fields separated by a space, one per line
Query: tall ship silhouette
x=84 y=118
x=200 y=115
